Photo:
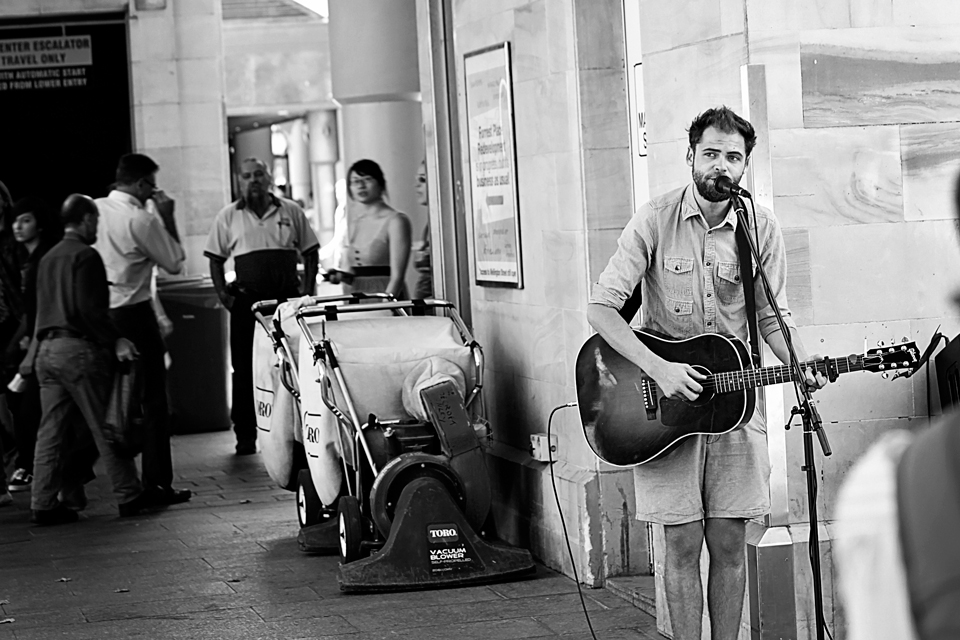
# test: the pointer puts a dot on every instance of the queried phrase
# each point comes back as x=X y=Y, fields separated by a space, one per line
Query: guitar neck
x=752 y=378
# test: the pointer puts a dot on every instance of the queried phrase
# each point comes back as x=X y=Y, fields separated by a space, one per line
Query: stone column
x=324 y=155
x=376 y=80
x=298 y=162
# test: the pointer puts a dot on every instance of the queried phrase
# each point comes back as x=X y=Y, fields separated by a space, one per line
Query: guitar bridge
x=649 y=391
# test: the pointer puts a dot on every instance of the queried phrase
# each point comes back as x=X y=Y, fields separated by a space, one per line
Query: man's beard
x=707 y=189
x=256 y=195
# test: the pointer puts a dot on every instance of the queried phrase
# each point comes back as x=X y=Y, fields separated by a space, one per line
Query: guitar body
x=627 y=421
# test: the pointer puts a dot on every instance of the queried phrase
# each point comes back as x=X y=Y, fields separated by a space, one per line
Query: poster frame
x=510 y=154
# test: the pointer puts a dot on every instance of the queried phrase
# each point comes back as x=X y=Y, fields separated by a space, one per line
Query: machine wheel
x=351 y=529
x=309 y=507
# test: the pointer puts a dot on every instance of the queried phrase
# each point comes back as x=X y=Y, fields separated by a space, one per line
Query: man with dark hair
x=681 y=247
x=133 y=241
x=265 y=235
x=78 y=347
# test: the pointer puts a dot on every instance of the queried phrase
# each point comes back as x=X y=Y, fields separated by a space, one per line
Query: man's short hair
x=134 y=167
x=725 y=120
x=75 y=207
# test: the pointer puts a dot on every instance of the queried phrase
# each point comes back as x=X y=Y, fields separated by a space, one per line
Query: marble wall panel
x=825 y=177
x=931 y=159
x=681 y=83
x=924 y=12
x=201 y=80
x=208 y=172
x=528 y=339
x=872 y=13
x=601 y=245
x=570 y=213
x=155 y=81
x=668 y=25
x=779 y=52
x=576 y=330
x=203 y=123
x=153 y=37
x=603 y=109
x=479 y=26
x=764 y=15
x=888 y=75
x=607 y=176
x=199 y=36
x=596 y=25
x=196 y=7
x=667 y=166
x=874 y=272
x=560 y=44
x=799 y=290
x=158 y=126
x=169 y=178
x=849 y=440
x=544 y=114
x=530 y=47
x=564 y=262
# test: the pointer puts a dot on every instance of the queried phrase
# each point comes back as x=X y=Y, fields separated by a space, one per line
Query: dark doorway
x=64 y=104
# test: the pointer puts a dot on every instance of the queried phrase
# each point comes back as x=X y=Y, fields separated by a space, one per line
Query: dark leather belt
x=52 y=334
x=366 y=272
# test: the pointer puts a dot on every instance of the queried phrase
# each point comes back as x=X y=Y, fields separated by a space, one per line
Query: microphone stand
x=811 y=421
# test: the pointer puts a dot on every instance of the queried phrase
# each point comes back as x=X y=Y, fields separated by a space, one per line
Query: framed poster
x=493 y=167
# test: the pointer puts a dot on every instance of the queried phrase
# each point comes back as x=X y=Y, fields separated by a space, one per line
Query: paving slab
x=226 y=566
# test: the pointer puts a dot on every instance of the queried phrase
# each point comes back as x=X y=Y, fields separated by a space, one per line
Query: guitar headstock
x=892 y=357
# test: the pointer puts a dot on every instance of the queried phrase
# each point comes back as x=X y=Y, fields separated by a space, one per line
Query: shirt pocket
x=679 y=307
x=678 y=276
x=729 y=285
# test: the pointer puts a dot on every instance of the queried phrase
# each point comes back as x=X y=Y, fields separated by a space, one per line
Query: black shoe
x=169 y=495
x=49 y=517
x=136 y=506
x=246 y=447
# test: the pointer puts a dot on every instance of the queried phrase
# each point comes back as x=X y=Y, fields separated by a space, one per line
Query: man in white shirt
x=132 y=240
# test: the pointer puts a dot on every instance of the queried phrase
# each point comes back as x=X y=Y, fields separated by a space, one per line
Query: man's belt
x=369 y=272
x=52 y=334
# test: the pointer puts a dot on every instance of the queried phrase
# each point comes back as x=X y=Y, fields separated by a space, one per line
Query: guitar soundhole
x=707 y=394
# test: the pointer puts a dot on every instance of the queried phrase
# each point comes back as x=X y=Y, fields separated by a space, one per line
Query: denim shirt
x=690 y=272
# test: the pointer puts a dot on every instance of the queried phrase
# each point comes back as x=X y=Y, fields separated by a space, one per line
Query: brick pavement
x=226 y=565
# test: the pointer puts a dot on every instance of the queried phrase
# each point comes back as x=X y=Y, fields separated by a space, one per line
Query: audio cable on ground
x=563 y=524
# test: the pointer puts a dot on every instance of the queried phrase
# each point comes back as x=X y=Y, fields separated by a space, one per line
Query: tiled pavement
x=226 y=565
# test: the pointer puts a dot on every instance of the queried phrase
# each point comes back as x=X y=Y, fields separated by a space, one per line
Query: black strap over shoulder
x=746 y=280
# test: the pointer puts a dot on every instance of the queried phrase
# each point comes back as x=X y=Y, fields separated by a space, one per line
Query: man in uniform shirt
x=265 y=235
x=132 y=241
x=74 y=364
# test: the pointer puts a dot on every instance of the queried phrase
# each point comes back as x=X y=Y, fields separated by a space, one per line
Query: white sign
x=34 y=53
x=493 y=171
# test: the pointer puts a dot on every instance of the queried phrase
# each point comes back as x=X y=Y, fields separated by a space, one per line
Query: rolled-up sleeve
x=775 y=265
x=629 y=264
x=157 y=244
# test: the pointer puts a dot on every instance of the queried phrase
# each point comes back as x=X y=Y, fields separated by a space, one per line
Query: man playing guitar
x=682 y=248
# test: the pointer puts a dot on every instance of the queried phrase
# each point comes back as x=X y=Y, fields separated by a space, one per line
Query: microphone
x=725 y=185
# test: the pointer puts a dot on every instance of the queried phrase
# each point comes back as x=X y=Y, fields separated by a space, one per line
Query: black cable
x=566 y=537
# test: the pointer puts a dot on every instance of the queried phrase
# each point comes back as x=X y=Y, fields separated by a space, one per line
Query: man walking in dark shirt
x=75 y=361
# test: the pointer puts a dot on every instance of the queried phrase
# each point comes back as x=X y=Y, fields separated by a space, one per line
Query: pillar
x=375 y=78
x=324 y=155
x=298 y=162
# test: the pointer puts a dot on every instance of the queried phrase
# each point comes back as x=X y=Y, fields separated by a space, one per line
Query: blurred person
x=132 y=241
x=36 y=230
x=265 y=235
x=78 y=346
x=421 y=258
x=897 y=526
x=11 y=306
x=377 y=246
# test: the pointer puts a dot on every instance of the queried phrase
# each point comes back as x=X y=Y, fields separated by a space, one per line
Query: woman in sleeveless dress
x=378 y=246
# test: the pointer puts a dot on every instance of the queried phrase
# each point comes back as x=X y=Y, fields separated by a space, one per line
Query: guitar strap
x=746 y=280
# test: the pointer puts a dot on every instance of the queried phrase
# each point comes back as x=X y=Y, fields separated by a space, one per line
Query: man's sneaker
x=168 y=495
x=58 y=515
x=20 y=481
x=5 y=499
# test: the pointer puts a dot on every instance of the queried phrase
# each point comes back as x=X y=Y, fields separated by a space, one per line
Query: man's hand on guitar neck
x=677 y=379
x=814 y=379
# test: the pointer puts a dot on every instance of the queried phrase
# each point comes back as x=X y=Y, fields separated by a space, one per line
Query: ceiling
x=260 y=9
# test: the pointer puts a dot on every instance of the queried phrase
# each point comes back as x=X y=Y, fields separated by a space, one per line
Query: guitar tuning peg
x=879 y=343
x=885 y=375
x=904 y=339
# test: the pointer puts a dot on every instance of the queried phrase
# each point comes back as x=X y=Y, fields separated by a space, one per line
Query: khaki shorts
x=725 y=476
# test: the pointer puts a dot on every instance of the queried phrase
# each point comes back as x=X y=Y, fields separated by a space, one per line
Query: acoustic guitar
x=627 y=421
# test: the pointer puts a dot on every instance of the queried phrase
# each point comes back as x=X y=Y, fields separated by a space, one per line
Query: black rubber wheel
x=309 y=507
x=351 y=529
